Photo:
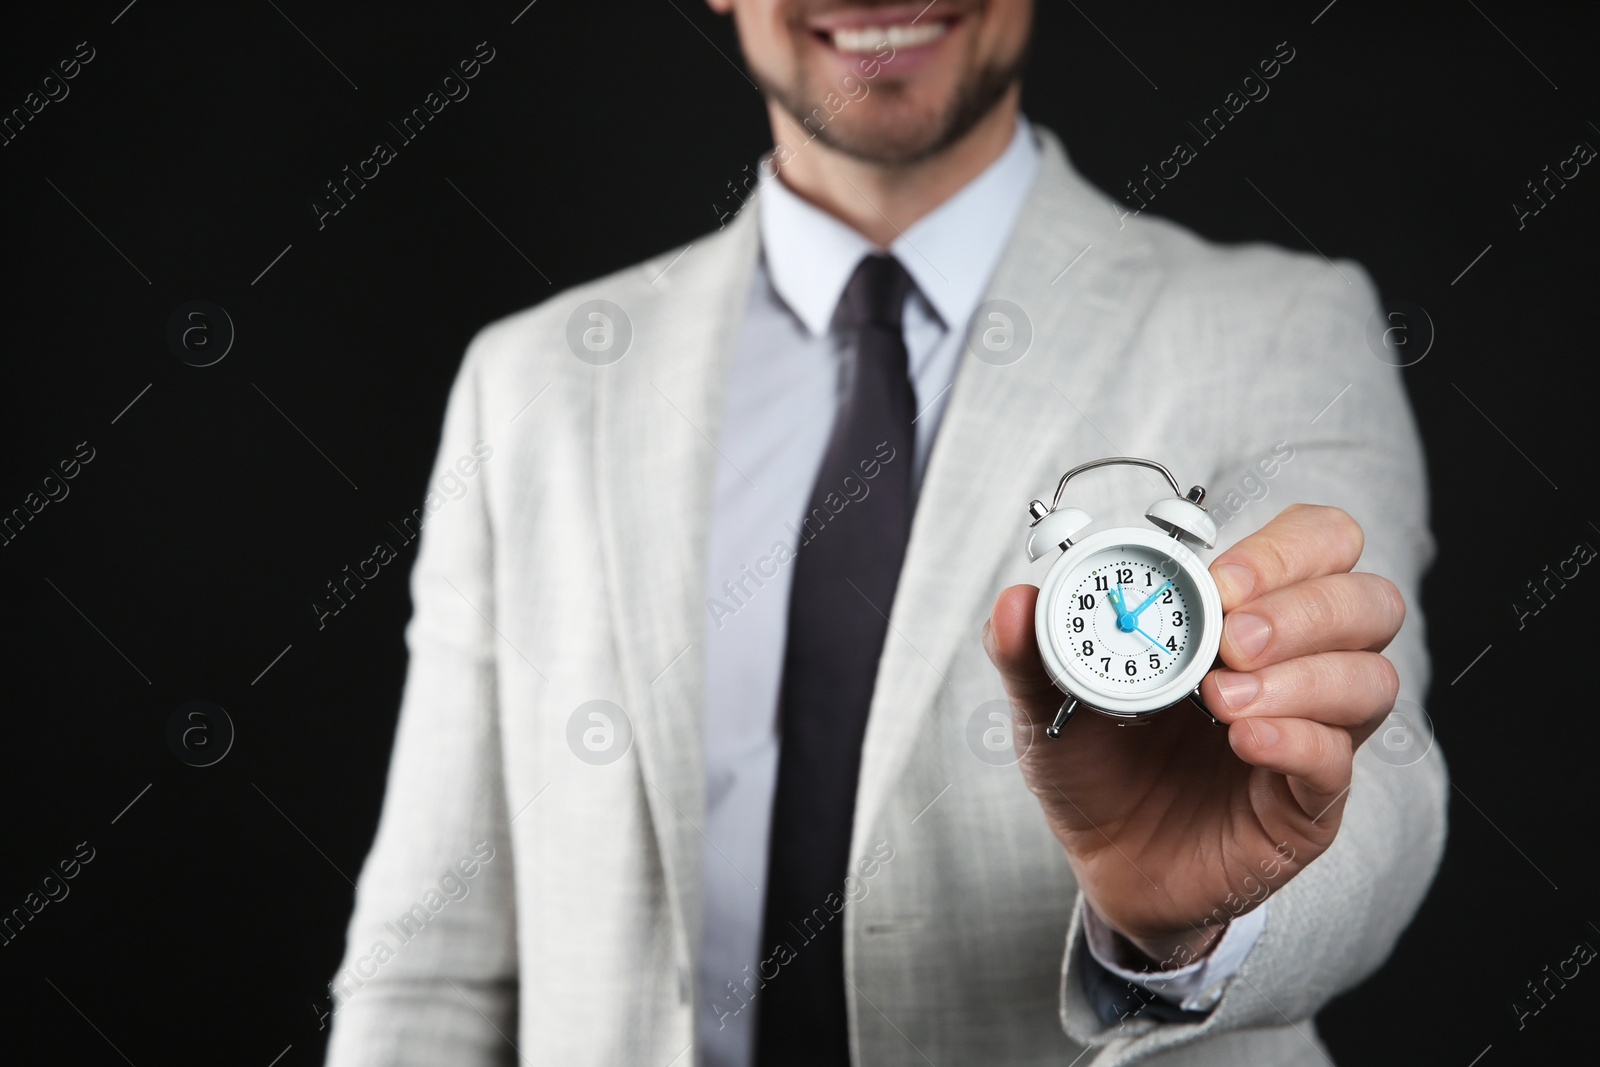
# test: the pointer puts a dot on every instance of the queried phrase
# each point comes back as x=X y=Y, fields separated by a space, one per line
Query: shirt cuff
x=1194 y=987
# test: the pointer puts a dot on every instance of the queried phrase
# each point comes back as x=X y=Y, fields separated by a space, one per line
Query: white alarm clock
x=1129 y=620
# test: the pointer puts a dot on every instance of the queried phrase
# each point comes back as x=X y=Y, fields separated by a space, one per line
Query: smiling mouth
x=870 y=40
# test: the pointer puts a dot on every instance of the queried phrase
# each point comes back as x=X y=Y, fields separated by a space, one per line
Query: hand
x=1173 y=825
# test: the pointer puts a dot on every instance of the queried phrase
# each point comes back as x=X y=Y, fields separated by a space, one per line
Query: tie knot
x=876 y=293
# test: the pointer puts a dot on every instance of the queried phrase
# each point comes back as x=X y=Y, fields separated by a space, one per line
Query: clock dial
x=1127 y=619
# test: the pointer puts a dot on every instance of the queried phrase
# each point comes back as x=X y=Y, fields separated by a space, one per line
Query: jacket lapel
x=1008 y=434
x=658 y=412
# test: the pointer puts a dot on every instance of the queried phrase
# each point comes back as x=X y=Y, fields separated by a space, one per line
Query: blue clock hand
x=1151 y=599
x=1164 y=649
x=1125 y=621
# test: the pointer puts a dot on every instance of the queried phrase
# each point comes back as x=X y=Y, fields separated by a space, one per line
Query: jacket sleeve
x=429 y=972
x=1321 y=397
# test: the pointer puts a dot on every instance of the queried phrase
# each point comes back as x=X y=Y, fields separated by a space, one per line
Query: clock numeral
x=1130 y=667
x=1172 y=643
x=1149 y=579
x=1077 y=624
x=1155 y=661
x=1086 y=602
x=1088 y=648
x=1125 y=574
x=1105 y=664
x=1177 y=618
x=1100 y=585
x=1166 y=598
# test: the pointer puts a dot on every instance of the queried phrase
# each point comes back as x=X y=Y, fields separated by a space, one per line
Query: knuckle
x=1341 y=606
x=1351 y=603
x=1319 y=746
x=1319 y=685
x=1329 y=747
x=1338 y=751
x=1332 y=605
x=1334 y=679
x=1306 y=612
x=1362 y=679
x=1305 y=685
x=1278 y=560
x=1337 y=528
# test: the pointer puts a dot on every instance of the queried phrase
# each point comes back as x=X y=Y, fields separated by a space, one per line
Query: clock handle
x=1132 y=461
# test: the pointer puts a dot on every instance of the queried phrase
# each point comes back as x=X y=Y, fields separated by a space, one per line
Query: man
x=696 y=661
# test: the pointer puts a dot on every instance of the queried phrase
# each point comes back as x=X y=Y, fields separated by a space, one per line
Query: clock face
x=1128 y=619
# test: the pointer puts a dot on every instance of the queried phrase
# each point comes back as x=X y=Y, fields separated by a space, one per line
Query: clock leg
x=1201 y=704
x=1068 y=706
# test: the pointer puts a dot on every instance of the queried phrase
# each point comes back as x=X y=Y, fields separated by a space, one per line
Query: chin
x=892 y=139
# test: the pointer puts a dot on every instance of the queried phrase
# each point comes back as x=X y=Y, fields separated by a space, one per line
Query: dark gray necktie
x=852 y=543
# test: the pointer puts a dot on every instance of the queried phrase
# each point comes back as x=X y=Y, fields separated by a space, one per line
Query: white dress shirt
x=782 y=396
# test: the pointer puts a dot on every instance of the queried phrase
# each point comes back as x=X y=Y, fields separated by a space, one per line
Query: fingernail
x=1248 y=634
x=1237 y=688
x=1263 y=731
x=1238 y=583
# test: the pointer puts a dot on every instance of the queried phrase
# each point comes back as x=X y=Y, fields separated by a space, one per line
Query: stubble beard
x=920 y=138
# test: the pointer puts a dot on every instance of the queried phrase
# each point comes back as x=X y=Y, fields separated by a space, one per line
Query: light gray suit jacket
x=571 y=569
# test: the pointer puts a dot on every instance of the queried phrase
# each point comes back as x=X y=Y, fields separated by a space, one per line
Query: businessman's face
x=889 y=83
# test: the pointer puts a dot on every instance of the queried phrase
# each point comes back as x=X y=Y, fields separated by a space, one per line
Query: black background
x=188 y=551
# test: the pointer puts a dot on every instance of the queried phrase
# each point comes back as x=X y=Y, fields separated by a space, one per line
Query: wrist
x=1166 y=952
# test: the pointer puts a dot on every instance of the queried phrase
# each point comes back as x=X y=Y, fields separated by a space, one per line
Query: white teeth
x=867 y=40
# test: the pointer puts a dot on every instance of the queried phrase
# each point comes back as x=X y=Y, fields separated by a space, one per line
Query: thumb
x=1013 y=648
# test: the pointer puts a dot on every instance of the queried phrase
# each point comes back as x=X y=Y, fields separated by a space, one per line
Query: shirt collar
x=950 y=253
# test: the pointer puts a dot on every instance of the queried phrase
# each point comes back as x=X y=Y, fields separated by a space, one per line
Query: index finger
x=1304 y=541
